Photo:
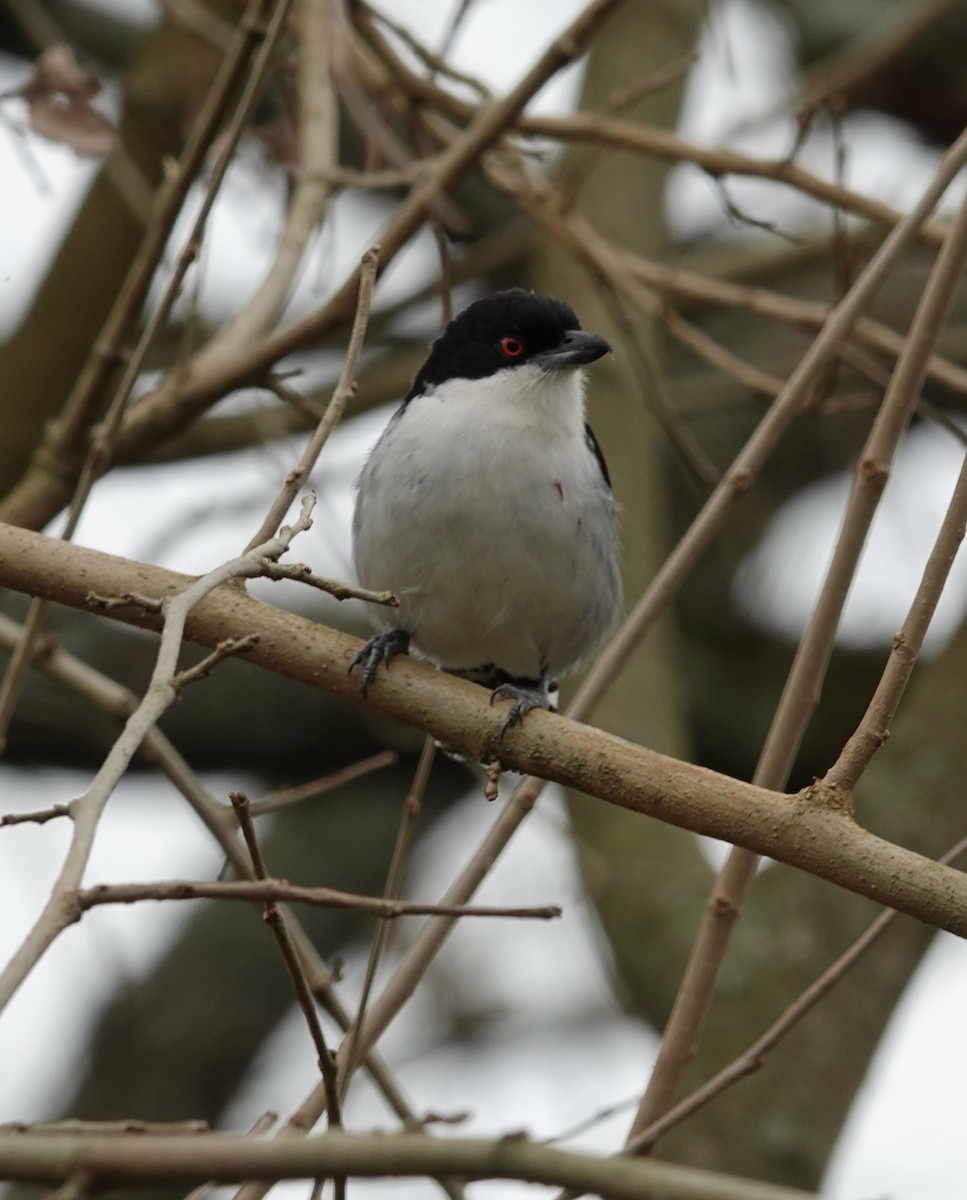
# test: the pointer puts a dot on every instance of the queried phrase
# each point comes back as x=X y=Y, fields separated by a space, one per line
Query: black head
x=504 y=330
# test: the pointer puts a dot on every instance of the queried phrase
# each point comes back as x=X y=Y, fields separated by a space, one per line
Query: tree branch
x=812 y=830
x=266 y=891
x=143 y=1158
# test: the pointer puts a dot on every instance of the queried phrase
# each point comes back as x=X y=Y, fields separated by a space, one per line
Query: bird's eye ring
x=511 y=347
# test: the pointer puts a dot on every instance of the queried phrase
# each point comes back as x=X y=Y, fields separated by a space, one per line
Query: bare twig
x=75 y=1125
x=226 y=649
x=33 y=628
x=874 y=729
x=343 y=393
x=301 y=573
x=394 y=877
x=39 y=817
x=308 y=791
x=654 y=81
x=264 y=890
x=275 y=921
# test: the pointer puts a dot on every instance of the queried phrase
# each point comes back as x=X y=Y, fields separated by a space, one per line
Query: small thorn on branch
x=125 y=600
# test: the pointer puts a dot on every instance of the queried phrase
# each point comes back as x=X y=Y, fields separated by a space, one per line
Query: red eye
x=511 y=347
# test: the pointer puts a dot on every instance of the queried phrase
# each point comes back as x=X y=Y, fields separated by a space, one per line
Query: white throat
x=524 y=398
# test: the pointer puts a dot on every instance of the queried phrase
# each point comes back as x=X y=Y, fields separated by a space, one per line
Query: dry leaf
x=59 y=103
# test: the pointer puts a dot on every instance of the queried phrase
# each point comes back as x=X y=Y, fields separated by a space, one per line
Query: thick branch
x=809 y=830
x=54 y=1158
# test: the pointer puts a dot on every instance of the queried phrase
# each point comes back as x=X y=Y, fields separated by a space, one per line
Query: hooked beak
x=575 y=349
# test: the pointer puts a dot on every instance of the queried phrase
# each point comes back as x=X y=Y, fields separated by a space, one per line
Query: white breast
x=483 y=508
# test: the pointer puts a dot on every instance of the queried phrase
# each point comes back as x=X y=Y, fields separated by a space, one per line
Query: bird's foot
x=380 y=648
x=527 y=695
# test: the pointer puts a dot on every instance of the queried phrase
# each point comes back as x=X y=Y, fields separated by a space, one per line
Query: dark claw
x=380 y=648
x=525 y=699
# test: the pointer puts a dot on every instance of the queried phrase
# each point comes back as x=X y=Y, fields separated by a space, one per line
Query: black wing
x=595 y=449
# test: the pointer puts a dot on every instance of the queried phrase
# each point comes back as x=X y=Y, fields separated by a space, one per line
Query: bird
x=486 y=507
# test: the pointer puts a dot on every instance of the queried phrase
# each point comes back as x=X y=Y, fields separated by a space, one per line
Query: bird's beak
x=575 y=349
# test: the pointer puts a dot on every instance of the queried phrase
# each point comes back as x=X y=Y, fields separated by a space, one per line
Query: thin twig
x=229 y=648
x=33 y=628
x=690 y=451
x=264 y=890
x=275 y=921
x=874 y=728
x=656 y=80
x=38 y=817
x=394 y=877
x=343 y=393
x=316 y=787
x=301 y=573
x=80 y=1127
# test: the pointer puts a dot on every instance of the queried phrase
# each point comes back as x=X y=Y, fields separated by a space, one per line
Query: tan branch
x=342 y=394
x=150 y=1158
x=317 y=153
x=266 y=891
x=301 y=573
x=799 y=829
x=316 y=787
